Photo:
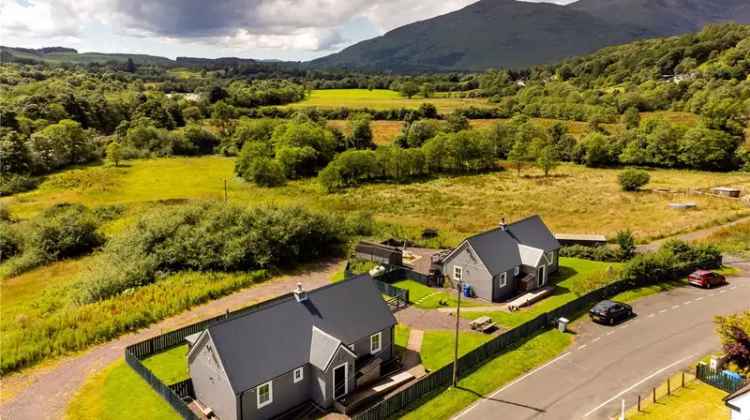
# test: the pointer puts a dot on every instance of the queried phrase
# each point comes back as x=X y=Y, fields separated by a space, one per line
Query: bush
x=594 y=253
x=674 y=260
x=10 y=241
x=633 y=179
x=61 y=231
x=13 y=183
x=734 y=331
x=208 y=237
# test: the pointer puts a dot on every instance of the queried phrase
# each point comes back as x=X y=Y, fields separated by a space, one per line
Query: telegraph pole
x=455 y=348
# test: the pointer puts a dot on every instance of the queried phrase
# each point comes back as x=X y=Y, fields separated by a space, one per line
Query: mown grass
x=511 y=364
x=572 y=270
x=697 y=401
x=169 y=366
x=380 y=99
x=426 y=297
x=115 y=393
x=438 y=346
x=575 y=199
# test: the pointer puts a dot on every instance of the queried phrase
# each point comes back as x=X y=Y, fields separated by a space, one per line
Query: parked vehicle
x=707 y=279
x=610 y=312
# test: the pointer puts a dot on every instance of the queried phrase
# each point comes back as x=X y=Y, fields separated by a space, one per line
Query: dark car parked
x=707 y=279
x=609 y=312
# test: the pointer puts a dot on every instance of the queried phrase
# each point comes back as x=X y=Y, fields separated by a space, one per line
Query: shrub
x=265 y=173
x=633 y=179
x=14 y=183
x=10 y=241
x=674 y=260
x=208 y=237
x=595 y=253
x=734 y=331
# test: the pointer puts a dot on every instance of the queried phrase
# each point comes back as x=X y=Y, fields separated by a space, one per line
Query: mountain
x=70 y=55
x=514 y=34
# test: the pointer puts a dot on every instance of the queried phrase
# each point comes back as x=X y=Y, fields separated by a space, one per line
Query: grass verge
x=697 y=401
x=513 y=363
x=437 y=346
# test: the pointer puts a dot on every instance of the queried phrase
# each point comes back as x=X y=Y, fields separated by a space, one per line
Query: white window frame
x=503 y=280
x=299 y=374
x=262 y=404
x=379 y=335
x=458 y=273
x=550 y=257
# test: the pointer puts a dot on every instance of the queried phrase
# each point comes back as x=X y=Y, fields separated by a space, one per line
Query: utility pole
x=460 y=284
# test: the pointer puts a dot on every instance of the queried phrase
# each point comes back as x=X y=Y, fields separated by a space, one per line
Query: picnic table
x=483 y=324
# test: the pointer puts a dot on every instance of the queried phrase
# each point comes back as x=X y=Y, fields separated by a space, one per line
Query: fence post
x=683 y=379
x=639 y=403
x=653 y=399
x=669 y=387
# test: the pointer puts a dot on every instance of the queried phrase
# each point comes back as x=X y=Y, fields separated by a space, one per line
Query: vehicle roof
x=702 y=272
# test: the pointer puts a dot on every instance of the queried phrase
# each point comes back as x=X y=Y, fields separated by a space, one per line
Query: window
x=351 y=347
x=550 y=256
x=458 y=273
x=375 y=343
x=299 y=374
x=503 y=280
x=265 y=394
x=516 y=271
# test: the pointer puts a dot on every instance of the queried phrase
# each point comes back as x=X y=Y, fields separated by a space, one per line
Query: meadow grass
x=571 y=271
x=733 y=239
x=514 y=362
x=574 y=199
x=381 y=99
x=116 y=393
x=383 y=132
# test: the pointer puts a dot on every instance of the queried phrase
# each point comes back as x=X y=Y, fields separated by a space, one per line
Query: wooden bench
x=483 y=324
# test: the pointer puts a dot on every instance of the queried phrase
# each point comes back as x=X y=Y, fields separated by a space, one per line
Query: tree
x=626 y=242
x=130 y=67
x=15 y=157
x=633 y=179
x=408 y=89
x=114 y=152
x=216 y=94
x=547 y=159
x=734 y=331
x=427 y=90
x=518 y=155
x=631 y=118
x=457 y=122
x=361 y=133
x=223 y=113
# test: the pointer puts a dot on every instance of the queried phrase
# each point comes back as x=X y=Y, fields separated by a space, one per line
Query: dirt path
x=44 y=393
x=691 y=236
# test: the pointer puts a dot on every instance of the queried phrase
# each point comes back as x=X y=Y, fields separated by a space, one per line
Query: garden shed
x=383 y=254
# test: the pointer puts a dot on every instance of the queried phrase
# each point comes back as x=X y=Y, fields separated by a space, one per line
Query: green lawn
x=438 y=346
x=118 y=393
x=494 y=374
x=436 y=298
x=697 y=401
x=571 y=271
x=641 y=292
x=380 y=99
x=169 y=366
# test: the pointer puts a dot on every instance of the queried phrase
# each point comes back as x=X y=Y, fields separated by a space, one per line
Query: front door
x=540 y=276
x=340 y=385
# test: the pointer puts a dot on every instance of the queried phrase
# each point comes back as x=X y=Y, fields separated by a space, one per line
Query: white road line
x=699 y=299
x=662 y=311
x=471 y=407
x=722 y=291
x=733 y=287
x=595 y=340
x=583 y=346
x=675 y=306
x=638 y=383
x=624 y=326
x=651 y=315
x=712 y=295
x=610 y=333
x=687 y=303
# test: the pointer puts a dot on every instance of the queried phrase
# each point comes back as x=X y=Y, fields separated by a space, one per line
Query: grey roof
x=277 y=339
x=322 y=348
x=497 y=250
x=533 y=232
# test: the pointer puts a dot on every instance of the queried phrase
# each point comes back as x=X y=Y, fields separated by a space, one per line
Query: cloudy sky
x=281 y=29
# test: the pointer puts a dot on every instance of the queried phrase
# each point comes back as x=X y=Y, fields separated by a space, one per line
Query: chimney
x=299 y=293
x=502 y=224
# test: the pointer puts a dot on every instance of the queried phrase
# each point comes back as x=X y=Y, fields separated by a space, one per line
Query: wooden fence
x=166 y=392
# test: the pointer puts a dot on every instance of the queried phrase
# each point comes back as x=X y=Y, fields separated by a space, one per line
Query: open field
x=380 y=99
x=574 y=199
x=734 y=239
x=383 y=132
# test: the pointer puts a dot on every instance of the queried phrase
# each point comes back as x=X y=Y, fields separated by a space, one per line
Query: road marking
x=675 y=306
x=687 y=303
x=712 y=295
x=733 y=287
x=610 y=333
x=583 y=346
x=722 y=291
x=638 y=383
x=699 y=299
x=651 y=315
x=662 y=311
x=595 y=340
x=471 y=407
x=624 y=326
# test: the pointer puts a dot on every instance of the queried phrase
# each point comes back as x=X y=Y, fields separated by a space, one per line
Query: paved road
x=606 y=364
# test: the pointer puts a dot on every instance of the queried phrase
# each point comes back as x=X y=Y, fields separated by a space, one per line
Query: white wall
x=743 y=403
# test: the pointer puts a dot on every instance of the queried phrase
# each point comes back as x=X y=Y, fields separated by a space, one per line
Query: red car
x=707 y=279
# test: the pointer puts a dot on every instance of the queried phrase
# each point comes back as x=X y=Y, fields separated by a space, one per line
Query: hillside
x=513 y=34
x=70 y=55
